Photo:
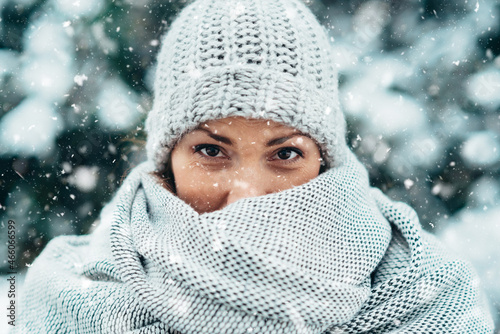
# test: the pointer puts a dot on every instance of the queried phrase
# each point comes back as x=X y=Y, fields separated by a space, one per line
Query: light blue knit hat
x=252 y=58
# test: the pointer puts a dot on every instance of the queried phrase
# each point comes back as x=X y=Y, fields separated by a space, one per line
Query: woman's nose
x=247 y=183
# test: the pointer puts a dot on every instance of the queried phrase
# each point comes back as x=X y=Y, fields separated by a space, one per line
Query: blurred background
x=419 y=82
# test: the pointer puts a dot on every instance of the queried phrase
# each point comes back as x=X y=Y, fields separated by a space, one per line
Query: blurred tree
x=419 y=82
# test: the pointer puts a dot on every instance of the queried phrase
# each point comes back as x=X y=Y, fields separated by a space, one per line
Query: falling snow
x=420 y=87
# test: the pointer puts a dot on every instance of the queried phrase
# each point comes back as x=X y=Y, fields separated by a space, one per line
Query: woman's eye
x=208 y=150
x=288 y=154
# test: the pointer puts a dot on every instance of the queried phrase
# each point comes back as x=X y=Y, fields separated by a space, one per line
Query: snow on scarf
x=332 y=255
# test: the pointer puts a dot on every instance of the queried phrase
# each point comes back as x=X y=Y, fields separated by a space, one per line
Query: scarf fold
x=331 y=255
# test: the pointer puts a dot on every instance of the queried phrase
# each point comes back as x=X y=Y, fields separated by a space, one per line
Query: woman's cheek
x=204 y=192
x=213 y=190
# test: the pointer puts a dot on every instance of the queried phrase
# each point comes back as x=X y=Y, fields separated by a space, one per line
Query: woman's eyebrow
x=272 y=142
x=281 y=140
x=222 y=139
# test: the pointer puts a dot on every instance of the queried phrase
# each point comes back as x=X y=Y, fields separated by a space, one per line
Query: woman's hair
x=165 y=174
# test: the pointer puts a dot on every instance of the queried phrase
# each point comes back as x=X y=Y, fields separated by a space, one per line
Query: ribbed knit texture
x=330 y=256
x=252 y=58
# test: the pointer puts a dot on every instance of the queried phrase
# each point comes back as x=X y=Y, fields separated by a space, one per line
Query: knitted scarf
x=330 y=256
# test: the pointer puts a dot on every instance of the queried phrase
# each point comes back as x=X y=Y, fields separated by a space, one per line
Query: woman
x=251 y=214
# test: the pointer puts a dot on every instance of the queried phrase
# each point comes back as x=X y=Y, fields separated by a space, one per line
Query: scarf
x=330 y=256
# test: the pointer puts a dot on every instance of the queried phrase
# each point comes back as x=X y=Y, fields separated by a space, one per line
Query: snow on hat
x=252 y=58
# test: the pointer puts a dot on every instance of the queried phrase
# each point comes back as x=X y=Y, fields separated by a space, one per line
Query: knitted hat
x=252 y=58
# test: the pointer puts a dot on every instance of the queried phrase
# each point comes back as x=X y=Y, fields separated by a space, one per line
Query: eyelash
x=300 y=154
x=198 y=148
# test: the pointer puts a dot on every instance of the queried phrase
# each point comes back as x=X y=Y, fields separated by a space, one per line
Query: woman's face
x=225 y=160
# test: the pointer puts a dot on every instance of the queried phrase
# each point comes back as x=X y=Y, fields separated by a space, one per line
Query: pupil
x=212 y=151
x=284 y=154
